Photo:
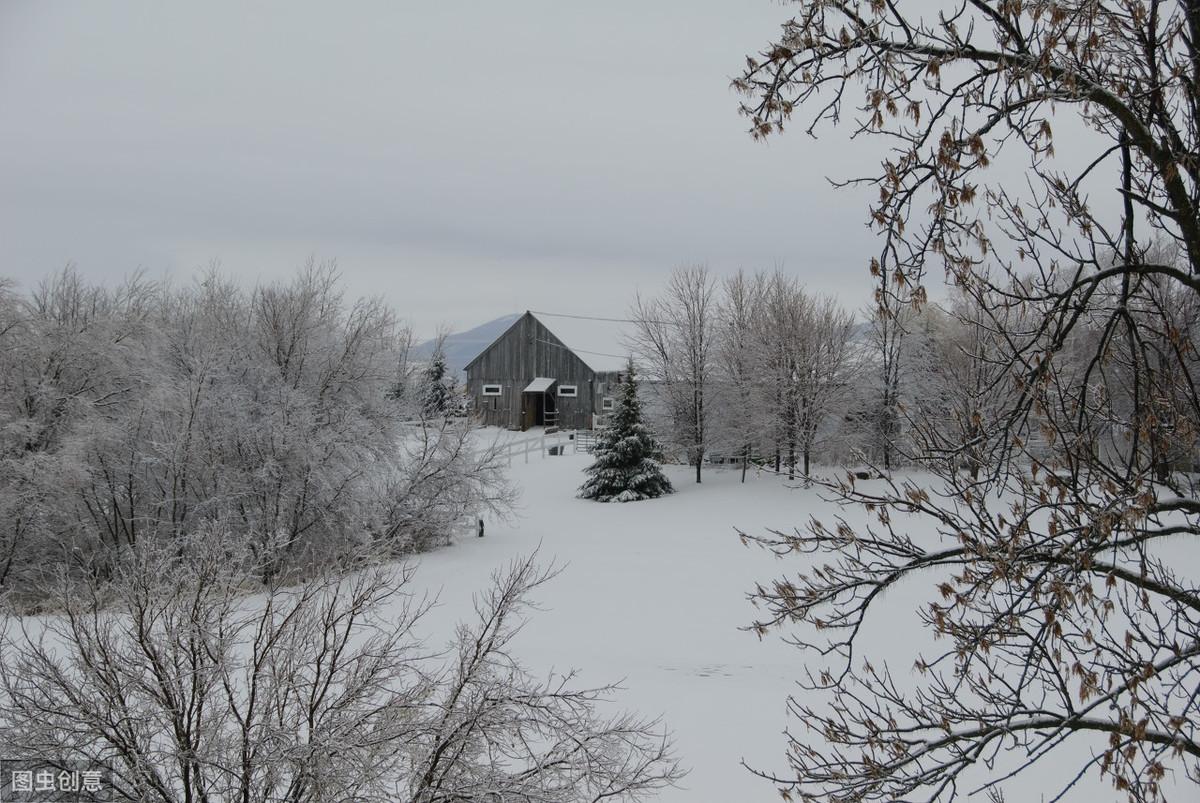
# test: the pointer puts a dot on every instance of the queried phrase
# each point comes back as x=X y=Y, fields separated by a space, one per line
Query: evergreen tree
x=435 y=393
x=397 y=391
x=627 y=455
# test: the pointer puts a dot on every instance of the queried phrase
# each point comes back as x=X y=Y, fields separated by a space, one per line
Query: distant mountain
x=462 y=347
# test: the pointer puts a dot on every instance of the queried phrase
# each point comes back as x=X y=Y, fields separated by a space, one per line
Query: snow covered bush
x=148 y=413
x=626 y=468
x=447 y=477
x=190 y=691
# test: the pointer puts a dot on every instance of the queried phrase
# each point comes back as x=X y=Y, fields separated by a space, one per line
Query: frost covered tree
x=143 y=412
x=401 y=385
x=1062 y=609
x=949 y=389
x=739 y=360
x=822 y=371
x=675 y=340
x=435 y=388
x=780 y=337
x=626 y=467
x=760 y=362
x=449 y=478
x=801 y=349
x=889 y=329
x=190 y=690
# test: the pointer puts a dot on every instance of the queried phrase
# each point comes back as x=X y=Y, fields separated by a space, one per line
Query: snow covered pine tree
x=435 y=394
x=626 y=467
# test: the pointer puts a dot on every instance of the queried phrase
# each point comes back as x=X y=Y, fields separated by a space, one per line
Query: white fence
x=544 y=445
x=524 y=447
x=585 y=440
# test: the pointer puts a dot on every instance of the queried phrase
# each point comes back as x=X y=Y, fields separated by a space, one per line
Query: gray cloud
x=464 y=161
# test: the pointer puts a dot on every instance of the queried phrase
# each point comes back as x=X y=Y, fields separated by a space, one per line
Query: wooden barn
x=532 y=376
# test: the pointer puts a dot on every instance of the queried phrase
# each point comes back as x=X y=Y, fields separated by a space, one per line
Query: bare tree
x=497 y=733
x=191 y=691
x=1065 y=621
x=782 y=338
x=443 y=475
x=802 y=356
x=739 y=353
x=822 y=372
x=675 y=341
x=954 y=384
x=889 y=319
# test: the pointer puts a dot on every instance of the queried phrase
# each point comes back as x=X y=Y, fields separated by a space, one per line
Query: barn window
x=607 y=404
x=568 y=390
x=491 y=390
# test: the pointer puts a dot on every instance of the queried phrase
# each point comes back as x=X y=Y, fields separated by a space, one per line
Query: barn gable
x=529 y=377
x=529 y=348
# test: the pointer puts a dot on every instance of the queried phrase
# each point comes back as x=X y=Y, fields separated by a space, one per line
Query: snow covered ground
x=654 y=594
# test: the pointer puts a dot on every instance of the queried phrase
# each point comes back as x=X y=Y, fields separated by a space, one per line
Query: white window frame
x=607 y=403
x=568 y=391
x=492 y=389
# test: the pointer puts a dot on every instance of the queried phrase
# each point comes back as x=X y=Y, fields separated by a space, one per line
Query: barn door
x=530 y=408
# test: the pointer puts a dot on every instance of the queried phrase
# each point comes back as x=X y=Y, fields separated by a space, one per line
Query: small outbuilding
x=531 y=376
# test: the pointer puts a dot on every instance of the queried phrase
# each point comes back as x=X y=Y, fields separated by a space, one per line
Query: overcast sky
x=462 y=160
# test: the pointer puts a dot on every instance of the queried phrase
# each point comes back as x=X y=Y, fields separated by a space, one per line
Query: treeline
x=271 y=418
x=751 y=368
x=754 y=369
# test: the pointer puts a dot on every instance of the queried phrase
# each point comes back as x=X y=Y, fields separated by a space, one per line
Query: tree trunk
x=791 y=443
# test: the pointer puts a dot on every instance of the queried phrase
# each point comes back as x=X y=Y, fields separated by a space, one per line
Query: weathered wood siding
x=606 y=386
x=526 y=351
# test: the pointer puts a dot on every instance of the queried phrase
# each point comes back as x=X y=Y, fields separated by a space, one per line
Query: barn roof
x=599 y=342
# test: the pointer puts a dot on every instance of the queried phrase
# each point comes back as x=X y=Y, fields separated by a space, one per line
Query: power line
x=599 y=318
x=583 y=351
x=582 y=317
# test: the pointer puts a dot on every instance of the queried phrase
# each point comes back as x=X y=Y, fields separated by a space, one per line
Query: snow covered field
x=653 y=593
